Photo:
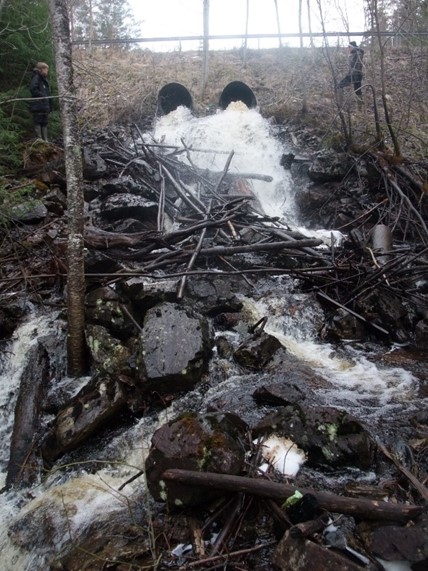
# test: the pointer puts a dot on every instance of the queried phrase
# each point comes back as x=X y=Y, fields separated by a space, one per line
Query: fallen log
x=23 y=459
x=360 y=507
x=260 y=247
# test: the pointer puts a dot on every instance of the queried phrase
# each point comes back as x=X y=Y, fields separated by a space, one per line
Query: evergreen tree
x=25 y=38
x=409 y=15
x=101 y=19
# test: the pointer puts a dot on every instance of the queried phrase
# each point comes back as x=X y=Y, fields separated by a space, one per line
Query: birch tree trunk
x=74 y=178
x=311 y=40
x=278 y=24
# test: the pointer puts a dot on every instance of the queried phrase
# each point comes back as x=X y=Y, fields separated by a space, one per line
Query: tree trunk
x=305 y=99
x=278 y=24
x=247 y=16
x=360 y=507
x=206 y=45
x=74 y=177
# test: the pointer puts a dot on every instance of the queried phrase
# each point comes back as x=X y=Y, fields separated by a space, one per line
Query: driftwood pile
x=223 y=230
x=219 y=228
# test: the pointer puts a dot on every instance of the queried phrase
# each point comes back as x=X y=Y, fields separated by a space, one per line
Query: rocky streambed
x=256 y=392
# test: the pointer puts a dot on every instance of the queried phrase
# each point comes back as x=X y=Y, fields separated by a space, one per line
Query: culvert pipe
x=171 y=96
x=237 y=91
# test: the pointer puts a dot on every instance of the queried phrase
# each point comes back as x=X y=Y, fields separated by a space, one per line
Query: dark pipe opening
x=237 y=91
x=171 y=96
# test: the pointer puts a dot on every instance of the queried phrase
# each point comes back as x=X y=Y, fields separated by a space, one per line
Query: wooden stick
x=361 y=507
x=411 y=477
x=193 y=258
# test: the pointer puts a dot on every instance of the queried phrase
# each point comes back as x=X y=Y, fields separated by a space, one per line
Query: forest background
x=119 y=82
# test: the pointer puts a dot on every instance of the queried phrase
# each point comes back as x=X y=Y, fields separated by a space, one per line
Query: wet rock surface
x=327 y=435
x=176 y=344
x=211 y=442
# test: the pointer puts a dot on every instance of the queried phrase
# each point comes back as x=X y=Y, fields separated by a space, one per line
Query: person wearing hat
x=41 y=104
x=355 y=74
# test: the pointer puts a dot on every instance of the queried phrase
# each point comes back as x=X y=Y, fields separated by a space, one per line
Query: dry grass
x=117 y=86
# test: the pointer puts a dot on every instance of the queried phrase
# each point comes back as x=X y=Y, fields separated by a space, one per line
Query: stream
x=37 y=523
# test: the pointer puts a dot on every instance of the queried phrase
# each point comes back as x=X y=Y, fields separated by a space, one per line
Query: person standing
x=355 y=74
x=41 y=104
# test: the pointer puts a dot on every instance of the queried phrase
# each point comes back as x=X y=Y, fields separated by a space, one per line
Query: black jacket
x=356 y=61
x=39 y=88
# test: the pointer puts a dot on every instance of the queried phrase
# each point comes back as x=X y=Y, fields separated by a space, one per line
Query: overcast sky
x=164 y=18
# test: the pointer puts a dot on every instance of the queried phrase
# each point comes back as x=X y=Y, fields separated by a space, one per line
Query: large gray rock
x=174 y=349
x=398 y=543
x=29 y=212
x=216 y=295
x=145 y=292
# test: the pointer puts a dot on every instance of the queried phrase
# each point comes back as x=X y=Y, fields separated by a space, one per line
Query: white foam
x=243 y=131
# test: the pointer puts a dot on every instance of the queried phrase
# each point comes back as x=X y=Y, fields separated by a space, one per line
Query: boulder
x=12 y=311
x=145 y=293
x=174 y=348
x=398 y=543
x=329 y=436
x=257 y=351
x=216 y=295
x=108 y=354
x=28 y=212
x=105 y=307
x=206 y=443
x=421 y=335
x=329 y=166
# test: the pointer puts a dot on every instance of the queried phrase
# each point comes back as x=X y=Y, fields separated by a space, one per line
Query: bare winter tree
x=278 y=24
x=311 y=40
x=74 y=175
x=305 y=97
x=375 y=13
x=247 y=16
x=206 y=44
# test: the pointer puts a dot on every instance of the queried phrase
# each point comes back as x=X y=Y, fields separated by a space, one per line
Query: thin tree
x=74 y=176
x=311 y=39
x=206 y=44
x=374 y=12
x=346 y=128
x=305 y=89
x=247 y=17
x=278 y=24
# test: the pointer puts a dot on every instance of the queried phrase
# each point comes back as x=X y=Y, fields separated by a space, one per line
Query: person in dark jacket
x=355 y=74
x=41 y=104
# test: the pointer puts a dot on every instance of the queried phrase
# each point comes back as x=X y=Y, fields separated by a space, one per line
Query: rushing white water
x=55 y=512
x=243 y=131
x=14 y=360
x=355 y=380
